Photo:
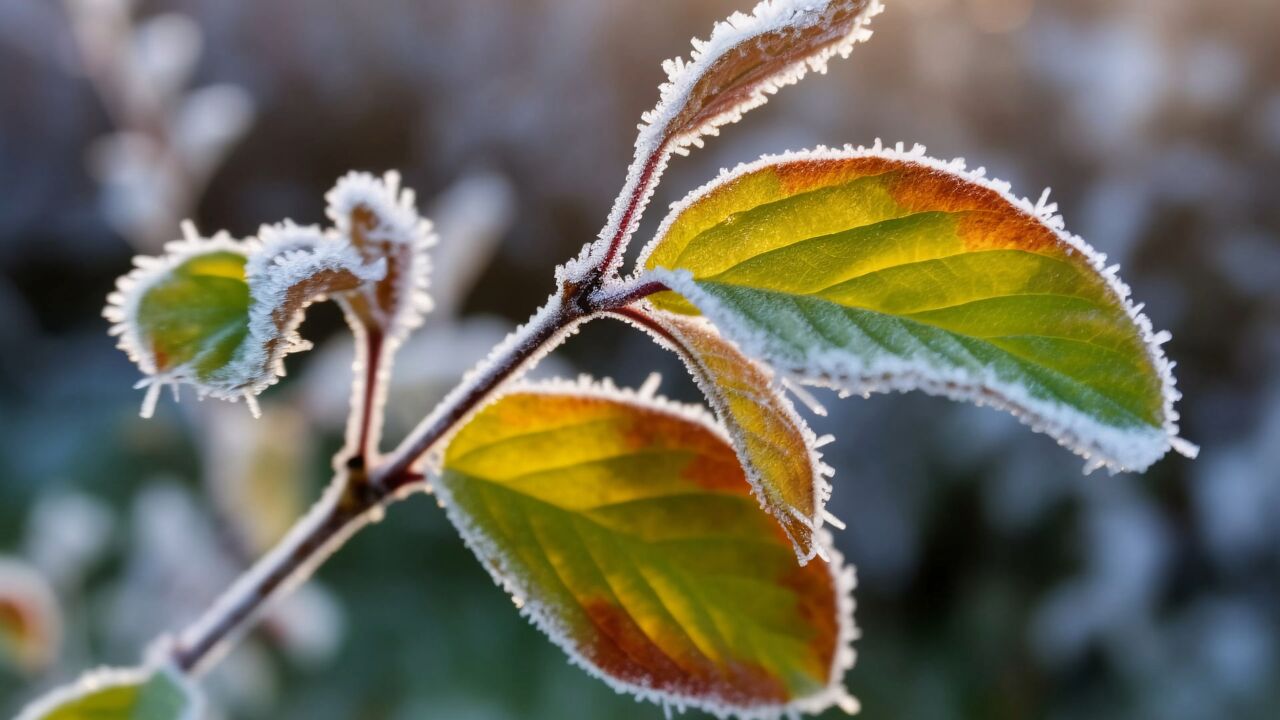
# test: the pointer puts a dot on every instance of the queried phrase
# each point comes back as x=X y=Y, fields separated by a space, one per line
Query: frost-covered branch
x=357 y=496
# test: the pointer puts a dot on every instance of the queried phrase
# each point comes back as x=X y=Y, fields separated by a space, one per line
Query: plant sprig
x=667 y=549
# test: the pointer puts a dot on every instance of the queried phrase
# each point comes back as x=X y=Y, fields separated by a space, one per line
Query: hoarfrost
x=287 y=268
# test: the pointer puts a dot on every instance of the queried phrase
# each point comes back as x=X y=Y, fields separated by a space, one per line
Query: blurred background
x=995 y=581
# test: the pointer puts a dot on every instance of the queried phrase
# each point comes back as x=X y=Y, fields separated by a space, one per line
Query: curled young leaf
x=381 y=222
x=775 y=446
x=746 y=59
x=625 y=529
x=749 y=57
x=873 y=270
x=112 y=694
x=30 y=619
x=221 y=314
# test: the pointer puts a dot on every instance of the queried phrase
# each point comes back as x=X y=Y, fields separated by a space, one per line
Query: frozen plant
x=678 y=553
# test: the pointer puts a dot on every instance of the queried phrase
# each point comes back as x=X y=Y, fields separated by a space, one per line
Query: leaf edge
x=843 y=575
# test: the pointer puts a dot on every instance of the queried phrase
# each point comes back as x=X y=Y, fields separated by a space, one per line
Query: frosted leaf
x=381 y=222
x=160 y=693
x=623 y=526
x=881 y=269
x=220 y=314
x=749 y=57
x=746 y=59
x=777 y=449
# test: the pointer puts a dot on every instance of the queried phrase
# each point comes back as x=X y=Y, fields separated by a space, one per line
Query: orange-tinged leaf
x=874 y=269
x=625 y=528
x=776 y=447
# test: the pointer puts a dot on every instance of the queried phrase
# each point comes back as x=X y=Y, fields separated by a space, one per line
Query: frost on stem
x=220 y=314
x=746 y=59
x=381 y=222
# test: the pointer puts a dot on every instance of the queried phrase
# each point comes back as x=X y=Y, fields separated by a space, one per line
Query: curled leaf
x=775 y=446
x=113 y=694
x=30 y=619
x=745 y=60
x=381 y=222
x=749 y=57
x=221 y=314
x=873 y=270
x=625 y=529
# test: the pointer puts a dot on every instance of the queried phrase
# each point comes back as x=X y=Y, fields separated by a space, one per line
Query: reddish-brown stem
x=366 y=443
x=635 y=201
x=642 y=319
x=526 y=343
x=356 y=493
x=359 y=492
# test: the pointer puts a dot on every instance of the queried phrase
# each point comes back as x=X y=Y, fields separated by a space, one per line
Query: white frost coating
x=545 y=619
x=400 y=225
x=1101 y=445
x=288 y=257
x=727 y=37
x=105 y=678
x=655 y=141
x=402 y=238
x=280 y=259
x=122 y=304
x=806 y=548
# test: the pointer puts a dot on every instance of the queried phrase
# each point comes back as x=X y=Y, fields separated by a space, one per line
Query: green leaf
x=120 y=695
x=625 y=529
x=870 y=270
x=221 y=314
x=775 y=446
